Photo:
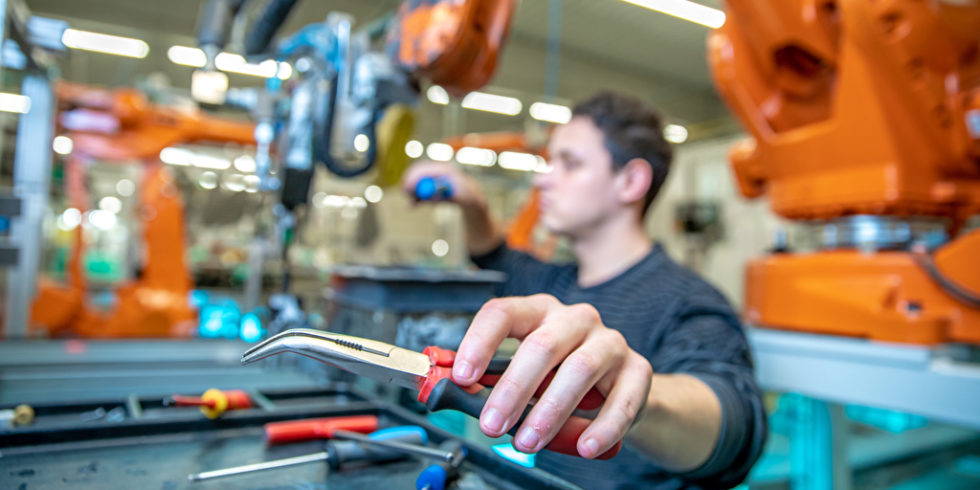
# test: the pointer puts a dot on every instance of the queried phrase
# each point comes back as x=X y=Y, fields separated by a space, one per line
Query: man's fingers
x=623 y=403
x=601 y=353
x=541 y=350
x=498 y=319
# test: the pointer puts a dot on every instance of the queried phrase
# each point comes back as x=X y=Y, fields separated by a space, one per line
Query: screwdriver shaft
x=268 y=465
x=399 y=446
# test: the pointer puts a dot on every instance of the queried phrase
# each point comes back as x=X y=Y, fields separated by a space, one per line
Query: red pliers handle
x=439 y=392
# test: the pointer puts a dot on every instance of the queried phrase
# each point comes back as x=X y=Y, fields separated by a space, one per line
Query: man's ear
x=634 y=180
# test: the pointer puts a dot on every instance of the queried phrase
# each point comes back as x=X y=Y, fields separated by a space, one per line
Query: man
x=662 y=345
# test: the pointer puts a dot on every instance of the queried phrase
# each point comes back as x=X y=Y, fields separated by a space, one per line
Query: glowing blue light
x=508 y=452
x=251 y=327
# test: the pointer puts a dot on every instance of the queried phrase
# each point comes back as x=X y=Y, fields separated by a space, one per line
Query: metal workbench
x=825 y=372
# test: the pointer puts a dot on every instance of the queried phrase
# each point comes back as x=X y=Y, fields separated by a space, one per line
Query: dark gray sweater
x=681 y=324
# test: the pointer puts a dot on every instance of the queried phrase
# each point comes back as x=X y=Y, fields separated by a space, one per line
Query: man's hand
x=587 y=354
x=466 y=192
x=482 y=233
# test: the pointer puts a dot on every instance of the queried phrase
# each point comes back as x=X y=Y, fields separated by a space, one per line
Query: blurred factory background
x=101 y=239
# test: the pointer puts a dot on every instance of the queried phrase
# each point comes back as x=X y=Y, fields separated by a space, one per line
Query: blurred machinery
x=122 y=125
x=865 y=126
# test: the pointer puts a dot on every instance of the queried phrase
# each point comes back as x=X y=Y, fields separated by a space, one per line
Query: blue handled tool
x=437 y=475
x=433 y=189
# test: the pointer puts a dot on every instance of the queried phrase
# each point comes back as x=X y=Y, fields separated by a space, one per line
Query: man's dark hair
x=631 y=129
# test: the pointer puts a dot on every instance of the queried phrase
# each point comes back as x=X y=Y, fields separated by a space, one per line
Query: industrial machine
x=122 y=125
x=865 y=128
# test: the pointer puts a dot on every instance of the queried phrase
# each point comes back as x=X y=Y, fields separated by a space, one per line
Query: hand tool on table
x=337 y=453
x=213 y=402
x=437 y=475
x=350 y=428
x=19 y=415
x=427 y=371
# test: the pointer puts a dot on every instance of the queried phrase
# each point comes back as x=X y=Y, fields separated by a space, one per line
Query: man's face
x=578 y=193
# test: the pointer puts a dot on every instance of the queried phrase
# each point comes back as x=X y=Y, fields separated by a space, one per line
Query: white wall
x=701 y=171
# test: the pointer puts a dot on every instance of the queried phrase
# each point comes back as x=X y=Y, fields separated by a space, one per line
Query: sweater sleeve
x=709 y=344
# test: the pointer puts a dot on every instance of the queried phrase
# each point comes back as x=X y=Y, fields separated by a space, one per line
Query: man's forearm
x=681 y=423
x=482 y=232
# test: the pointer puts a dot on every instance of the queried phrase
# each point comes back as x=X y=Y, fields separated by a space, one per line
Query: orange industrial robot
x=122 y=125
x=864 y=119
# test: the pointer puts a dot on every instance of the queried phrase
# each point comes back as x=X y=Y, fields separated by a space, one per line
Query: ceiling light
x=111 y=204
x=683 y=9
x=543 y=111
x=15 y=103
x=439 y=152
x=208 y=180
x=361 y=143
x=437 y=95
x=252 y=183
x=675 y=133
x=543 y=166
x=235 y=63
x=513 y=160
x=200 y=160
x=234 y=183
x=125 y=187
x=105 y=43
x=230 y=62
x=440 y=248
x=481 y=101
x=373 y=194
x=176 y=156
x=414 y=149
x=245 y=163
x=476 y=156
x=187 y=56
x=62 y=145
x=209 y=87
x=102 y=220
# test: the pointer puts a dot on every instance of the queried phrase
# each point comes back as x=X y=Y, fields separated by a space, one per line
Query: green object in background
x=101 y=267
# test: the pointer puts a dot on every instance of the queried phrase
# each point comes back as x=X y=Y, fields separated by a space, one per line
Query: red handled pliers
x=428 y=372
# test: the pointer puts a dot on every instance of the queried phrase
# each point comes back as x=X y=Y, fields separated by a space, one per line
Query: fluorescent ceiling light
x=229 y=62
x=62 y=145
x=414 y=149
x=374 y=194
x=105 y=43
x=187 y=56
x=362 y=143
x=245 y=163
x=111 y=204
x=675 y=133
x=439 y=152
x=176 y=156
x=437 y=95
x=683 y=9
x=476 y=156
x=481 y=101
x=513 y=160
x=542 y=167
x=543 y=111
x=15 y=103
x=200 y=160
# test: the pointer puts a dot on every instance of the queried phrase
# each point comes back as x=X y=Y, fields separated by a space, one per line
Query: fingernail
x=528 y=438
x=591 y=447
x=462 y=371
x=493 y=421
